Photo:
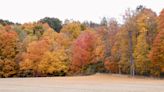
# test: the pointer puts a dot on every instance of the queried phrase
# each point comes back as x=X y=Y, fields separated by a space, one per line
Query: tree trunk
x=132 y=71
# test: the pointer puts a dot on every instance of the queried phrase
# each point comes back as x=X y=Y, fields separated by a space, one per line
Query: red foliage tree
x=82 y=50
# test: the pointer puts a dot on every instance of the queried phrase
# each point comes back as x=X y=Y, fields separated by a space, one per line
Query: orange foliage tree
x=157 y=53
x=31 y=58
x=8 y=52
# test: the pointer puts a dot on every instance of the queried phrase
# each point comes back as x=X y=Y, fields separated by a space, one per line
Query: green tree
x=104 y=21
x=54 y=23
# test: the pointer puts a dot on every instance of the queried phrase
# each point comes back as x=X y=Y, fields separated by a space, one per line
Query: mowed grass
x=92 y=83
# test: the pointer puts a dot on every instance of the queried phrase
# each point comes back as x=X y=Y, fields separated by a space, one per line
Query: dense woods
x=49 y=47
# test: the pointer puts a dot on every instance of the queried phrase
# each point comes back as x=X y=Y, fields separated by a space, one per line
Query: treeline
x=52 y=48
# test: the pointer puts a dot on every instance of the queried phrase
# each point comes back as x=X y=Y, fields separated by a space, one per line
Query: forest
x=50 y=47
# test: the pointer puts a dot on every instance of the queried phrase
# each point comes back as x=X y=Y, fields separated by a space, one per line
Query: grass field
x=93 y=83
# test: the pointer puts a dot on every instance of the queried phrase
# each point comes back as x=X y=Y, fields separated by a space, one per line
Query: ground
x=93 y=83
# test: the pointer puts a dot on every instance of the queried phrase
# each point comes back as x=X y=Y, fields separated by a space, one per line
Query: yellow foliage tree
x=72 y=30
x=54 y=63
x=141 y=51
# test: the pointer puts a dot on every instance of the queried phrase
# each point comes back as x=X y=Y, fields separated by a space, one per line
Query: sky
x=92 y=10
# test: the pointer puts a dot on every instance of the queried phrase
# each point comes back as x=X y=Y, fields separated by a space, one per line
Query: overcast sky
x=31 y=10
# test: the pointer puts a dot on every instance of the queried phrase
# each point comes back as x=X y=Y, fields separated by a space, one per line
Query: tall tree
x=157 y=53
x=108 y=34
x=130 y=26
x=142 y=63
x=8 y=52
x=123 y=51
x=146 y=24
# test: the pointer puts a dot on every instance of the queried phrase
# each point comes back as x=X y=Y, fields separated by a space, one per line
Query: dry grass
x=93 y=83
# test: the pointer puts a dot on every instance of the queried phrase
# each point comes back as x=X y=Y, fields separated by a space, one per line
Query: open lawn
x=93 y=83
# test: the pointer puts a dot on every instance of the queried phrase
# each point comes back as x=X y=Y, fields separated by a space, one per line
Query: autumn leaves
x=36 y=49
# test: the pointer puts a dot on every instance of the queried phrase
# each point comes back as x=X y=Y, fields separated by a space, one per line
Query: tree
x=6 y=22
x=54 y=63
x=46 y=56
x=86 y=50
x=157 y=53
x=108 y=35
x=34 y=30
x=8 y=44
x=8 y=52
x=104 y=21
x=33 y=56
x=130 y=27
x=72 y=30
x=143 y=64
x=146 y=24
x=8 y=68
x=54 y=23
x=84 y=46
x=122 y=41
x=147 y=21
